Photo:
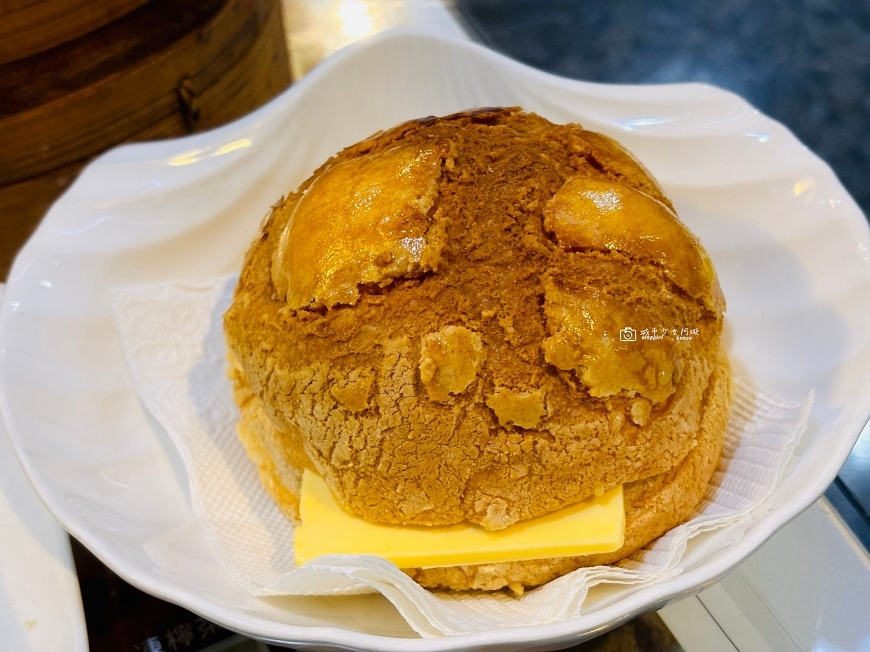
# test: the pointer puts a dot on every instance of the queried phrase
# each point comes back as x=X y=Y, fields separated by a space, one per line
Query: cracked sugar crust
x=652 y=507
x=449 y=361
x=522 y=435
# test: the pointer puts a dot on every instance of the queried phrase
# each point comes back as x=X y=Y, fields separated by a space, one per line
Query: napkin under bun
x=482 y=317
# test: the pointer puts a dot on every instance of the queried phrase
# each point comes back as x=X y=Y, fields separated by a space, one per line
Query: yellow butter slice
x=592 y=526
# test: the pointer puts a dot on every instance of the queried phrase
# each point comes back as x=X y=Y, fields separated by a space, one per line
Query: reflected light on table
x=355 y=19
x=317 y=28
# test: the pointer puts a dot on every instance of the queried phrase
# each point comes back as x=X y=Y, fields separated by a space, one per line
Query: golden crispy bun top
x=436 y=315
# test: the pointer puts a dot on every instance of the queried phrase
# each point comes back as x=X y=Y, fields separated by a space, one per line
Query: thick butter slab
x=593 y=526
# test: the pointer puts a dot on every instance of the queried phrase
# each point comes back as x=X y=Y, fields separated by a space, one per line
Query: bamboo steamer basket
x=167 y=68
x=31 y=26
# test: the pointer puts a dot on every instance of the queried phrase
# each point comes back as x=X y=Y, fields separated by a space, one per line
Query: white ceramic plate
x=790 y=245
x=40 y=604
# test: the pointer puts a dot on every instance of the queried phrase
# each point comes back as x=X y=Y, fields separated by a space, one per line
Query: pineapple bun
x=482 y=317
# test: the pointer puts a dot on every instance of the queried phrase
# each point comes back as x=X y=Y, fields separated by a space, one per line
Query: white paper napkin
x=173 y=340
